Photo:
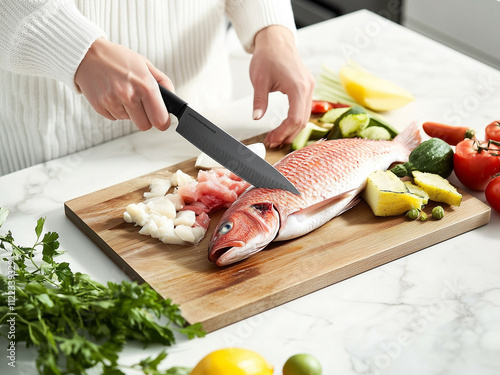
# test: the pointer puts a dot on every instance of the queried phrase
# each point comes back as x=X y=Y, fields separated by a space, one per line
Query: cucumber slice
x=383 y=124
x=374 y=132
x=310 y=132
x=336 y=132
x=333 y=114
x=350 y=124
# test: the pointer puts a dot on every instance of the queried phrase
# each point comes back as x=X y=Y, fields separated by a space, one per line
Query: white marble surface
x=434 y=312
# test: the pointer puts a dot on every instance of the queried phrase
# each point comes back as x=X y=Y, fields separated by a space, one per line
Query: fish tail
x=410 y=136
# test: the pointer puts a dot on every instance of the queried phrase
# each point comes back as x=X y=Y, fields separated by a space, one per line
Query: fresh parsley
x=75 y=322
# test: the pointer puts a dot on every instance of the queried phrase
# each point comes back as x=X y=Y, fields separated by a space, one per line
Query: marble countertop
x=436 y=311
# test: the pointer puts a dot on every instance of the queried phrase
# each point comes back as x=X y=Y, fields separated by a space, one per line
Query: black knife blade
x=224 y=148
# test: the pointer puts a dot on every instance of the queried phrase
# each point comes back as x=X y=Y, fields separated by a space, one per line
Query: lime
x=302 y=364
x=233 y=361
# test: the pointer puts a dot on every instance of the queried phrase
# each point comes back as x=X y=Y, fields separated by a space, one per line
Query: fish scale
x=328 y=168
x=329 y=176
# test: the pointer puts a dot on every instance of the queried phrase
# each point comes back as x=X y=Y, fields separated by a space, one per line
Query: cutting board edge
x=105 y=248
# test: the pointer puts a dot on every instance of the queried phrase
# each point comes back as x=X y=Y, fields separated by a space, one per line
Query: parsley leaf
x=75 y=322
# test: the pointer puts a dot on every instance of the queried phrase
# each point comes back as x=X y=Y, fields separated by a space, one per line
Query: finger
x=154 y=105
x=100 y=108
x=155 y=109
x=119 y=112
x=292 y=125
x=260 y=98
x=138 y=115
x=104 y=112
x=161 y=77
x=283 y=134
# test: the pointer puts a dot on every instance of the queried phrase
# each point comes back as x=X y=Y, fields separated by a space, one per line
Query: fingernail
x=257 y=114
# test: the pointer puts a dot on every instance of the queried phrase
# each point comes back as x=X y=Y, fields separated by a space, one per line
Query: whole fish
x=329 y=175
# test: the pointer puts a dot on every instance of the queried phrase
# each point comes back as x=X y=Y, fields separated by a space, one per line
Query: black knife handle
x=174 y=104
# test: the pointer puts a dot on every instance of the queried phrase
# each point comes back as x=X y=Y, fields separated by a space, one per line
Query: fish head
x=243 y=231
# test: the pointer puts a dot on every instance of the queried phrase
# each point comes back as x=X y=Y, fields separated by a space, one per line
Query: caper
x=437 y=213
x=413 y=213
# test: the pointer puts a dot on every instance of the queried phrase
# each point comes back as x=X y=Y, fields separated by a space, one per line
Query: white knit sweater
x=42 y=116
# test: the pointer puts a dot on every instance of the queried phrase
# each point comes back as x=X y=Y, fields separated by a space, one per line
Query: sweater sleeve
x=250 y=16
x=44 y=38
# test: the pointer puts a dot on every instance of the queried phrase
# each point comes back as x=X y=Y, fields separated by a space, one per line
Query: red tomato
x=475 y=164
x=320 y=107
x=493 y=131
x=492 y=193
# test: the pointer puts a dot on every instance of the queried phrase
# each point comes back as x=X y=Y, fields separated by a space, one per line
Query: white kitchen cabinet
x=469 y=26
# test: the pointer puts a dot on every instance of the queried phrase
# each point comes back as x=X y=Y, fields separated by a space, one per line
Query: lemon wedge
x=372 y=92
x=438 y=188
x=387 y=195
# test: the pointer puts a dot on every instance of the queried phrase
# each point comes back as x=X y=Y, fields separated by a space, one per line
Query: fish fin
x=351 y=204
x=312 y=217
x=410 y=136
x=320 y=206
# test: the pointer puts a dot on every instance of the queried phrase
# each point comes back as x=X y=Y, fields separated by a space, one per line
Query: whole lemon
x=233 y=361
x=302 y=364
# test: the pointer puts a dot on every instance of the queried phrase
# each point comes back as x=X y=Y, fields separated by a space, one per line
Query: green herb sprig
x=75 y=322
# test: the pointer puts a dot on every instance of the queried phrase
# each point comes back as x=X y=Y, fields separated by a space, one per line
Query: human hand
x=121 y=84
x=277 y=66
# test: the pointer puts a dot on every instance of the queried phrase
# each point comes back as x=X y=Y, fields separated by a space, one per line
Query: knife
x=223 y=148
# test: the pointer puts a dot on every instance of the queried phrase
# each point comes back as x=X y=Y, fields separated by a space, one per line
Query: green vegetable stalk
x=75 y=322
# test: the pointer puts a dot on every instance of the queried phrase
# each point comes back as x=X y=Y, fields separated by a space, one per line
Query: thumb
x=260 y=101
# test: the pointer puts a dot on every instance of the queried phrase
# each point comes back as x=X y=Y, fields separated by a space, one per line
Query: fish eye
x=225 y=227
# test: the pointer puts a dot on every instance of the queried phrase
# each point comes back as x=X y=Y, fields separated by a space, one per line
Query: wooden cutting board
x=348 y=245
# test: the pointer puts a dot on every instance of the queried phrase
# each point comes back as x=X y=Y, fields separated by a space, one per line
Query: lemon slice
x=372 y=92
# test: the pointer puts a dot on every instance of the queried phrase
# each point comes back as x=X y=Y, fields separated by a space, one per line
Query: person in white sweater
x=70 y=68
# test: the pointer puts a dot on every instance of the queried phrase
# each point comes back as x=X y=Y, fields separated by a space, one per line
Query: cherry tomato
x=493 y=131
x=475 y=163
x=320 y=107
x=492 y=193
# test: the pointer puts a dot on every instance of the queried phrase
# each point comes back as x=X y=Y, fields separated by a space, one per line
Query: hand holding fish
x=276 y=66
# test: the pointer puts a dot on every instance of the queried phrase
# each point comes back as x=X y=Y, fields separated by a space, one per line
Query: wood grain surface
x=348 y=245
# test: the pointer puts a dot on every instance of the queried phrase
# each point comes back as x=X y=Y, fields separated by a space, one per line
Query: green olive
x=302 y=364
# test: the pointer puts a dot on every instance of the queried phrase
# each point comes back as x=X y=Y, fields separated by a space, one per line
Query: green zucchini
x=431 y=156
